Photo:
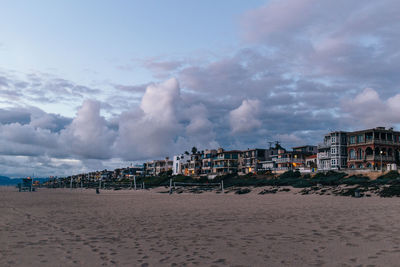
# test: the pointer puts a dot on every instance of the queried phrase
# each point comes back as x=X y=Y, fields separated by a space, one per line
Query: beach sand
x=63 y=227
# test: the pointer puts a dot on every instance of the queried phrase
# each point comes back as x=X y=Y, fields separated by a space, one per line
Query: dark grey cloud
x=14 y=115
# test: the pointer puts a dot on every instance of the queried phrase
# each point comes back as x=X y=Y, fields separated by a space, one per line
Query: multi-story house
x=226 y=161
x=373 y=148
x=271 y=154
x=181 y=164
x=157 y=167
x=207 y=159
x=195 y=164
x=332 y=153
x=291 y=160
x=251 y=159
x=163 y=166
x=149 y=168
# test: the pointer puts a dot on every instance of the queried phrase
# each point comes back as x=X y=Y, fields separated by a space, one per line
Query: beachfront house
x=226 y=161
x=332 y=153
x=250 y=161
x=373 y=148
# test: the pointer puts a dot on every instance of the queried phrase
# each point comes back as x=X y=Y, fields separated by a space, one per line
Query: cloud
x=369 y=110
x=151 y=129
x=88 y=135
x=244 y=118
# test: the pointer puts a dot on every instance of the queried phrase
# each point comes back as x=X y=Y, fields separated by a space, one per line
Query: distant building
x=181 y=164
x=195 y=164
x=157 y=167
x=368 y=148
x=251 y=160
x=207 y=158
x=271 y=154
x=332 y=153
x=226 y=161
x=311 y=162
x=291 y=160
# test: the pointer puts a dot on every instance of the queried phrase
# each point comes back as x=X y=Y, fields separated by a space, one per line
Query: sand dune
x=62 y=227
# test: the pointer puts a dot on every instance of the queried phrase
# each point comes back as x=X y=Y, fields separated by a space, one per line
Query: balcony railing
x=375 y=141
x=324 y=145
x=323 y=155
x=284 y=160
x=375 y=158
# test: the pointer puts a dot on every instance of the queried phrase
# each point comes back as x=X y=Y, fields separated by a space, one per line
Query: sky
x=93 y=85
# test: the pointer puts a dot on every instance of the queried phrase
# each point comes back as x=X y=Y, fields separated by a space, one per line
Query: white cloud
x=151 y=130
x=244 y=118
x=88 y=135
x=369 y=110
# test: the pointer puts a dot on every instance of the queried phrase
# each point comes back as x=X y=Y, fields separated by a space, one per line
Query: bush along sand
x=328 y=183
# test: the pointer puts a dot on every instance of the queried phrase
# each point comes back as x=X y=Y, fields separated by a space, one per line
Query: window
x=352 y=154
x=333 y=139
x=360 y=138
x=352 y=139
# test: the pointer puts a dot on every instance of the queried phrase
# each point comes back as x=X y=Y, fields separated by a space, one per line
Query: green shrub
x=242 y=191
x=290 y=174
x=390 y=175
x=356 y=179
x=391 y=191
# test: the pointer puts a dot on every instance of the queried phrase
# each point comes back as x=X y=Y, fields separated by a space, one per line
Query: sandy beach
x=63 y=227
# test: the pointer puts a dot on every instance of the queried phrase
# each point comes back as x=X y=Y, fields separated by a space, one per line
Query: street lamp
x=381 y=152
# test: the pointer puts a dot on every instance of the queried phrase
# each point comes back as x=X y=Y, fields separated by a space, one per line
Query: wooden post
x=143 y=186
x=70 y=183
x=222 y=186
x=81 y=184
x=99 y=184
x=170 y=186
x=134 y=180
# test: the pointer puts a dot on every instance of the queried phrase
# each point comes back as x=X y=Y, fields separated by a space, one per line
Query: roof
x=303 y=146
x=380 y=129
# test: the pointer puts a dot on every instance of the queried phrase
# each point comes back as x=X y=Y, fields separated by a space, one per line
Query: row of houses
x=219 y=161
x=105 y=175
x=371 y=149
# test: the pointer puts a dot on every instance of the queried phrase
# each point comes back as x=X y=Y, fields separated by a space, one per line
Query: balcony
x=323 y=156
x=374 y=141
x=324 y=145
x=371 y=157
x=377 y=158
x=285 y=160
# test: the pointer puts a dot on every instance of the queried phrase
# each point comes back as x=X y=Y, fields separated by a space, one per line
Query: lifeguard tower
x=26 y=185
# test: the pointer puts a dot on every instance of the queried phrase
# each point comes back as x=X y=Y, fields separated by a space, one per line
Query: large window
x=352 y=154
x=352 y=139
x=360 y=153
x=360 y=138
